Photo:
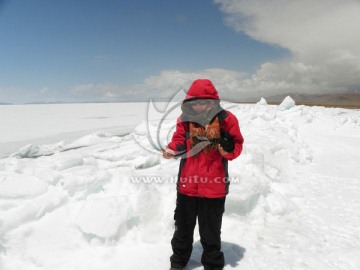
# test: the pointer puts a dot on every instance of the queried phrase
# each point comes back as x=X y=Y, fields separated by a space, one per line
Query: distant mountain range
x=346 y=100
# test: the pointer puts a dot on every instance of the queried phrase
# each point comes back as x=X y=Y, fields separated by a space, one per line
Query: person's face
x=201 y=105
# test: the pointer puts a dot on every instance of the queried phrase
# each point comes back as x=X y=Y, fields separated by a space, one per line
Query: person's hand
x=222 y=151
x=227 y=144
x=168 y=153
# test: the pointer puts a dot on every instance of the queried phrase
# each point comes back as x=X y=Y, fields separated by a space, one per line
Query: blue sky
x=93 y=50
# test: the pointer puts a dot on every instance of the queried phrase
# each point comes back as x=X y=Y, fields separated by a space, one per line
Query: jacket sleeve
x=178 y=141
x=233 y=129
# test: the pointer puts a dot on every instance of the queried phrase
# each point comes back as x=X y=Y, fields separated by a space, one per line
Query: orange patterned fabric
x=210 y=131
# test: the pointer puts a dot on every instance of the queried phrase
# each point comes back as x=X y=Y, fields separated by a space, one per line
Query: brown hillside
x=343 y=100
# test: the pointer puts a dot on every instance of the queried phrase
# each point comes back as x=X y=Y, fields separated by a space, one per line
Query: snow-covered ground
x=50 y=123
x=86 y=196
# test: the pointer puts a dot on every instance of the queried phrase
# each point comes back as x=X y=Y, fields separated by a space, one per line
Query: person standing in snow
x=206 y=138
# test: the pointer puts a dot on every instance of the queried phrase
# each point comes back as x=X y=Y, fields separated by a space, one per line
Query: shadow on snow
x=233 y=254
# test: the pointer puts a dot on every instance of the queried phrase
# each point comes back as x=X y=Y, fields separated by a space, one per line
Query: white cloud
x=43 y=91
x=170 y=82
x=15 y=95
x=322 y=36
x=163 y=86
x=103 y=91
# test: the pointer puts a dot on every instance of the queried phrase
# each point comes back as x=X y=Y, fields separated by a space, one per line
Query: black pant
x=209 y=213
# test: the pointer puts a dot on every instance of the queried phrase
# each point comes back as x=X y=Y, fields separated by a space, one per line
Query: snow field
x=294 y=204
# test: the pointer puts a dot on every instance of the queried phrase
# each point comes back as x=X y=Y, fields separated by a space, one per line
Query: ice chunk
x=32 y=210
x=287 y=103
x=84 y=179
x=15 y=186
x=104 y=218
x=66 y=161
x=149 y=161
x=34 y=151
x=262 y=102
x=48 y=176
x=88 y=140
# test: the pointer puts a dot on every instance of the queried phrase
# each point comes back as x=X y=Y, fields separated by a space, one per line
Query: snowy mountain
x=104 y=201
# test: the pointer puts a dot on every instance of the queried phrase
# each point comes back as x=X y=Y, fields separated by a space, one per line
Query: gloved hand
x=227 y=144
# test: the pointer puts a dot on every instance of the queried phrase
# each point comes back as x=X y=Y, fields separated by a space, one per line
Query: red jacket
x=205 y=174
